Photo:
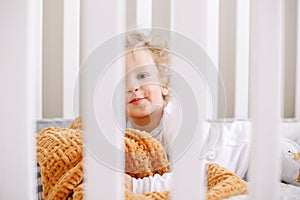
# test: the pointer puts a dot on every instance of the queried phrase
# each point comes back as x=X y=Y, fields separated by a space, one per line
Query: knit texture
x=59 y=153
x=144 y=155
x=221 y=183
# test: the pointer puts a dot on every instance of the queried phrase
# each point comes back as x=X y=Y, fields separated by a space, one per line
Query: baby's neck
x=149 y=122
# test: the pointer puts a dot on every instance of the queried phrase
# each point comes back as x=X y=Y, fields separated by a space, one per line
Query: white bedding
x=232 y=149
x=288 y=192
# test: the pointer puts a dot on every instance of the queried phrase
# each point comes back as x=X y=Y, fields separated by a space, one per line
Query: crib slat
x=265 y=82
x=188 y=170
x=242 y=59
x=100 y=20
x=144 y=13
x=297 y=101
x=20 y=52
x=70 y=57
x=211 y=46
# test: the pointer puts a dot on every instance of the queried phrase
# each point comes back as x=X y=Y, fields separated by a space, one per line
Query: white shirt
x=156 y=183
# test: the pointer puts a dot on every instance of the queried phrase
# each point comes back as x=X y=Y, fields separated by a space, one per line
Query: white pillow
x=290 y=171
x=291 y=130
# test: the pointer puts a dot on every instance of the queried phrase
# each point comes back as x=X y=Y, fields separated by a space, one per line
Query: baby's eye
x=142 y=75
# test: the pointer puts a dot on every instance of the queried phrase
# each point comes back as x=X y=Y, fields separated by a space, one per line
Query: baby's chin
x=142 y=111
x=138 y=114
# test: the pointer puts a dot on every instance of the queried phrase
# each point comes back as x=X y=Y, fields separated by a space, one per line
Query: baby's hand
x=128 y=182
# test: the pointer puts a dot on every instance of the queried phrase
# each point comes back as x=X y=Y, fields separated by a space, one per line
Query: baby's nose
x=133 y=89
x=132 y=85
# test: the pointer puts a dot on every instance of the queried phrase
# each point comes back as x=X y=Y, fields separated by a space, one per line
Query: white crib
x=250 y=42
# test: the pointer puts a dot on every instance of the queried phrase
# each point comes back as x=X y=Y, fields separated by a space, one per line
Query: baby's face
x=144 y=92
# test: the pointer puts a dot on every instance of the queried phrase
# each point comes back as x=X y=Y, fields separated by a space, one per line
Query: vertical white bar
x=39 y=69
x=100 y=23
x=283 y=92
x=144 y=13
x=265 y=87
x=242 y=59
x=212 y=46
x=181 y=12
x=212 y=30
x=71 y=64
x=20 y=60
x=297 y=106
x=189 y=168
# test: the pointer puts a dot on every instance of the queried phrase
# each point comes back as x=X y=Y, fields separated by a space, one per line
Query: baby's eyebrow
x=144 y=68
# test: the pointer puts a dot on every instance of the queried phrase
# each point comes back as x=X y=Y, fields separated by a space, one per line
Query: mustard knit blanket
x=59 y=154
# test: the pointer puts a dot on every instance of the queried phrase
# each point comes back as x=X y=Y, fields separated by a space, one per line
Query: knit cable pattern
x=221 y=183
x=59 y=154
x=144 y=155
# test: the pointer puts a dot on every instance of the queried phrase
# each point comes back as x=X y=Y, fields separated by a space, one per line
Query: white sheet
x=288 y=192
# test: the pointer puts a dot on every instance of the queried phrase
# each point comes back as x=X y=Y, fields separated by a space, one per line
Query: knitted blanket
x=146 y=157
x=59 y=154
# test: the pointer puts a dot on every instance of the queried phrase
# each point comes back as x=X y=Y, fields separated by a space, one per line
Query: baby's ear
x=165 y=91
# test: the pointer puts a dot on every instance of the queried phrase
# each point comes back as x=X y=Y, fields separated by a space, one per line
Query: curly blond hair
x=158 y=46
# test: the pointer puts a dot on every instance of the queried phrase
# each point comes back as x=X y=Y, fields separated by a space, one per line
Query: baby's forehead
x=139 y=58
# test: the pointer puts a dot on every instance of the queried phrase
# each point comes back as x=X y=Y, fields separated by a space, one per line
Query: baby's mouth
x=136 y=100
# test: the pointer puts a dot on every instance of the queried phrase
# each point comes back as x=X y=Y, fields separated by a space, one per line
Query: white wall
x=131 y=13
x=227 y=51
x=52 y=58
x=161 y=12
x=290 y=33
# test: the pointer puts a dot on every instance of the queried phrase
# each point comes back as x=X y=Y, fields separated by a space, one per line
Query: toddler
x=148 y=104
